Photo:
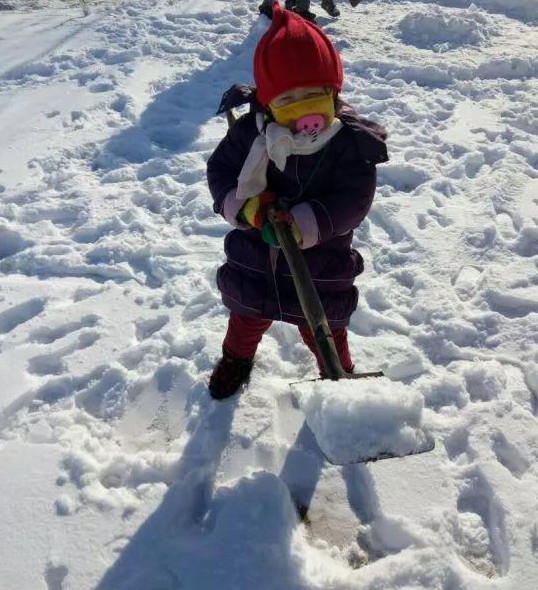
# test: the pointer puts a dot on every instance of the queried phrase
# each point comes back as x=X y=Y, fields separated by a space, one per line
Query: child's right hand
x=254 y=211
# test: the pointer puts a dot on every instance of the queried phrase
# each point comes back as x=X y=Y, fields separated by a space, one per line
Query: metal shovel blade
x=427 y=445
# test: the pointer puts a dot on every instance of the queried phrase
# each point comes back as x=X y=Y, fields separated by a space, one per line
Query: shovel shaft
x=308 y=298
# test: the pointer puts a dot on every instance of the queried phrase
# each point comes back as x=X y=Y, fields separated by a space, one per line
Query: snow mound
x=527 y=10
x=440 y=30
x=358 y=419
x=524 y=10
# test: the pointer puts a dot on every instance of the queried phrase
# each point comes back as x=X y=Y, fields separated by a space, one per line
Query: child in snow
x=307 y=148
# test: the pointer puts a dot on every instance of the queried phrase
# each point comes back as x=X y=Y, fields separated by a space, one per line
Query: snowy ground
x=116 y=469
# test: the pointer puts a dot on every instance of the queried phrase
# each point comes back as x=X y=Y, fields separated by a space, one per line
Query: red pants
x=244 y=334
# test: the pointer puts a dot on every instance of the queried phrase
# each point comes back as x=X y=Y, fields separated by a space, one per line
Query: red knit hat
x=294 y=52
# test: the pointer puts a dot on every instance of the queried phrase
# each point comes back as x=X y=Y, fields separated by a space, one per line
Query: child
x=303 y=145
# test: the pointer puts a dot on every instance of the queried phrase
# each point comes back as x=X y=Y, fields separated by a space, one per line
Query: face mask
x=308 y=116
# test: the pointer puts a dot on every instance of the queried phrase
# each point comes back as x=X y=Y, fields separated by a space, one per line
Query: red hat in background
x=294 y=52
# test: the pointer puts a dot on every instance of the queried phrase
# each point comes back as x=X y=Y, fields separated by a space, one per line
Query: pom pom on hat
x=294 y=52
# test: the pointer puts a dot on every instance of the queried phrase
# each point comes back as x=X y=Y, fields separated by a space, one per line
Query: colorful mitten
x=268 y=233
x=254 y=211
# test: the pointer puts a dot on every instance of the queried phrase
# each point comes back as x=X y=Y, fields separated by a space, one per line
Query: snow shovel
x=317 y=320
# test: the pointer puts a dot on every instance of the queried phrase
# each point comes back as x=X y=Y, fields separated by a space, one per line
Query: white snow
x=116 y=469
x=359 y=419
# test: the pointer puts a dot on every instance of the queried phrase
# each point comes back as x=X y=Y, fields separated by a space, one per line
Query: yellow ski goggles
x=288 y=115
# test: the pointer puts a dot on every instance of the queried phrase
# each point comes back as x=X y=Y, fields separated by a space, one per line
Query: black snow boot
x=330 y=7
x=306 y=14
x=266 y=8
x=228 y=375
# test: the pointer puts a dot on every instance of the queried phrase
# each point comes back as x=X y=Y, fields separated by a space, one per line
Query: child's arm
x=343 y=208
x=224 y=167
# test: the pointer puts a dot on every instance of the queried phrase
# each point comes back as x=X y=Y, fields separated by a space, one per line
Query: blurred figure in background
x=302 y=8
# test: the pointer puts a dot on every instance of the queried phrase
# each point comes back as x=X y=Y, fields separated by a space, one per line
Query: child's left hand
x=254 y=211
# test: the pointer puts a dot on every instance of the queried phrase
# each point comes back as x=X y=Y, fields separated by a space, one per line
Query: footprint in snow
x=55 y=576
x=516 y=303
x=108 y=395
x=54 y=363
x=384 y=222
x=422 y=220
x=467 y=282
x=83 y=293
x=480 y=532
x=506 y=226
x=199 y=305
x=156 y=413
x=402 y=177
x=509 y=455
x=485 y=381
x=48 y=335
x=14 y=316
x=142 y=355
x=457 y=445
x=440 y=218
x=145 y=328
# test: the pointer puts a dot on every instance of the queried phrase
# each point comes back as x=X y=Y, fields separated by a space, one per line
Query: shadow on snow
x=172 y=121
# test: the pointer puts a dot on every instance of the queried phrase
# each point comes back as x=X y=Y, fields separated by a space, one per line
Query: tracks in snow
x=110 y=319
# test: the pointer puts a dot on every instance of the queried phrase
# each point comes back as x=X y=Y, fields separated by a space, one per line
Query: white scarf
x=276 y=144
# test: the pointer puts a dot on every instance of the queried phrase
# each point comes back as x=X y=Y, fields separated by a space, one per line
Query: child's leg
x=244 y=335
x=239 y=347
x=340 y=342
x=302 y=7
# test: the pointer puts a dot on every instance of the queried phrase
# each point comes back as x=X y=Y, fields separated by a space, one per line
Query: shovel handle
x=306 y=291
x=308 y=297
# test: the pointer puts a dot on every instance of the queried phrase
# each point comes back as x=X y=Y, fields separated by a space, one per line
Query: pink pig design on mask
x=310 y=124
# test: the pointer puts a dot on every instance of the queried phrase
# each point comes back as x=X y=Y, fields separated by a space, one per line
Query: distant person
x=302 y=8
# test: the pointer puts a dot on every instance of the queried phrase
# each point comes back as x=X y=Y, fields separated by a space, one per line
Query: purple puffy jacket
x=329 y=193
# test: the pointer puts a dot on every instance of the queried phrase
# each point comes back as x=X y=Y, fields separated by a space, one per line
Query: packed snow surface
x=117 y=470
x=358 y=419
